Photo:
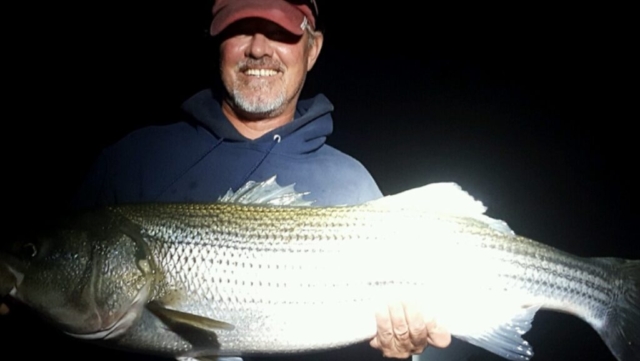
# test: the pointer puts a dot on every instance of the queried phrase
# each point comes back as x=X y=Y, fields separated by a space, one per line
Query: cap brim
x=286 y=16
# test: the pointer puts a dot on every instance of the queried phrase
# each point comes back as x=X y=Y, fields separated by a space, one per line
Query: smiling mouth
x=261 y=72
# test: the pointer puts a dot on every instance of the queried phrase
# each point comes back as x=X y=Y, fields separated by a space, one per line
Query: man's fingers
x=375 y=343
x=437 y=336
x=393 y=337
x=402 y=337
x=402 y=331
x=384 y=336
x=417 y=328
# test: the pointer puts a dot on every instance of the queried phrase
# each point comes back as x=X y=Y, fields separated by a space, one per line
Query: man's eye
x=278 y=33
x=276 y=36
x=282 y=36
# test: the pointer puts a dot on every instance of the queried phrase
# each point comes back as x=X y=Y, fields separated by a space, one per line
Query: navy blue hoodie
x=200 y=158
x=203 y=156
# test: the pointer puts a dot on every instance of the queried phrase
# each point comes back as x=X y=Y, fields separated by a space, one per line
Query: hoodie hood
x=201 y=156
x=306 y=133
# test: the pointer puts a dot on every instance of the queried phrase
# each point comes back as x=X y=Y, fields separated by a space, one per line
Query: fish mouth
x=124 y=322
x=116 y=329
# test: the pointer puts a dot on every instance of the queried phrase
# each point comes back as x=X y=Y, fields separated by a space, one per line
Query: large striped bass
x=262 y=272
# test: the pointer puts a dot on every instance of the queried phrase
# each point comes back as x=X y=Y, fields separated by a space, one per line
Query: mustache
x=262 y=63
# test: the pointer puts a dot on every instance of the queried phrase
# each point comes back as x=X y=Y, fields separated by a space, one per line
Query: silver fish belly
x=246 y=276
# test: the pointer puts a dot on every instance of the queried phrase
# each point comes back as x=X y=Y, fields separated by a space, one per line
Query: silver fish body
x=238 y=278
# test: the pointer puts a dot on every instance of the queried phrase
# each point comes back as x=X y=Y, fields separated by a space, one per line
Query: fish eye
x=30 y=250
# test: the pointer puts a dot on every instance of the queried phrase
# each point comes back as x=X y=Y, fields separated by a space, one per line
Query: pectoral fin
x=200 y=332
x=174 y=317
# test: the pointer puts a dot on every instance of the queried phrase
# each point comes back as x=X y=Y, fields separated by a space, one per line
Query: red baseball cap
x=291 y=15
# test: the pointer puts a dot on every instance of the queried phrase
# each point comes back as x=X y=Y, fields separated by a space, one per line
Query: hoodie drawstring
x=277 y=138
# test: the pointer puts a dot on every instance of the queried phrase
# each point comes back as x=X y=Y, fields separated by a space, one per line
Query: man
x=257 y=129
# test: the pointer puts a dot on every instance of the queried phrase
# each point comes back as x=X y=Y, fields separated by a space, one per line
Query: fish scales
x=235 y=253
x=235 y=250
x=241 y=277
x=556 y=279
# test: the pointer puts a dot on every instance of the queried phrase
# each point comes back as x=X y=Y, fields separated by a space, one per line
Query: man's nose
x=259 y=47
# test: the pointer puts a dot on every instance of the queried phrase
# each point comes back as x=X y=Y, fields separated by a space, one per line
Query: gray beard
x=259 y=105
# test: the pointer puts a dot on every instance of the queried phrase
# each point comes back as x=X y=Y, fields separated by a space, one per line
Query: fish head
x=90 y=275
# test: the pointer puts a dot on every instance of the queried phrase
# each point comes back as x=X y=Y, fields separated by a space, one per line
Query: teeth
x=261 y=72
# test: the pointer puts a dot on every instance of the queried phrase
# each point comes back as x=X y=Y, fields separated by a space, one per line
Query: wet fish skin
x=238 y=278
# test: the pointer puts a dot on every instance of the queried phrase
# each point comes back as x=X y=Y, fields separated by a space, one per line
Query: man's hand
x=403 y=331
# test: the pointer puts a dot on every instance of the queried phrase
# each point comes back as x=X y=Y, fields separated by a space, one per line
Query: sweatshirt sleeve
x=368 y=189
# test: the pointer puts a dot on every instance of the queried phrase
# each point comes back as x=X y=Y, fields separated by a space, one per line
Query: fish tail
x=621 y=329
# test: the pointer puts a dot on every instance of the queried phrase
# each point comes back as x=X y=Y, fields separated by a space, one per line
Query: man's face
x=263 y=67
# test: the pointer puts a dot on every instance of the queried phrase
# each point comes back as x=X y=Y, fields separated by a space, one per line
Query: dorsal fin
x=267 y=192
x=445 y=198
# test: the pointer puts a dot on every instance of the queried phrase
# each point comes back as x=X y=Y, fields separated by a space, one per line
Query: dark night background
x=530 y=109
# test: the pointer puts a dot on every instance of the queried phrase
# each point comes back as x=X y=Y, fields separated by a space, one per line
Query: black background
x=530 y=109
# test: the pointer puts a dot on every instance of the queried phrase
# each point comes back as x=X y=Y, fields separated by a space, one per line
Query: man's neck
x=255 y=127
